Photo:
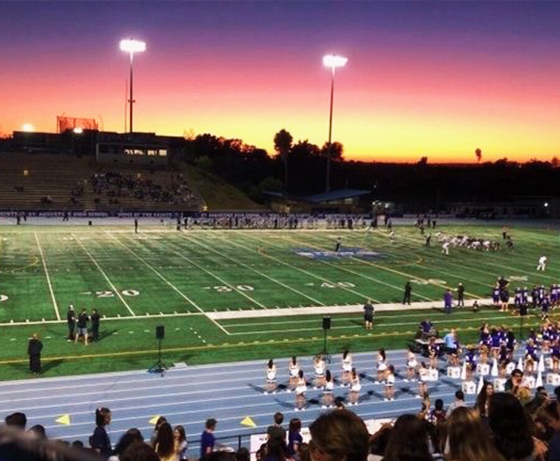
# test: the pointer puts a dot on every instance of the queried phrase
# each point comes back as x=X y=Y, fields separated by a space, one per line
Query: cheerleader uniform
x=294 y=369
x=381 y=365
x=390 y=383
x=301 y=387
x=347 y=364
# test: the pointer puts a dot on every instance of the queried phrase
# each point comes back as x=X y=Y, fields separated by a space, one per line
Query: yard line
x=104 y=275
x=258 y=272
x=184 y=296
x=55 y=304
x=318 y=277
x=212 y=274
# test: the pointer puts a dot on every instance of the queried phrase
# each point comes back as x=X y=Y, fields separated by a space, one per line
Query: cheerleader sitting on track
x=411 y=364
x=319 y=366
x=530 y=357
x=270 y=377
x=390 y=383
x=355 y=388
x=301 y=388
x=346 y=368
x=328 y=398
x=433 y=353
x=294 y=373
x=470 y=359
x=381 y=365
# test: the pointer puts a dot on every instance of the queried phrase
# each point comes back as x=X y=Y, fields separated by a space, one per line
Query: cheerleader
x=496 y=295
x=545 y=307
x=511 y=342
x=411 y=365
x=328 y=398
x=346 y=368
x=530 y=357
x=381 y=365
x=484 y=334
x=483 y=353
x=355 y=387
x=503 y=360
x=294 y=372
x=319 y=366
x=422 y=377
x=433 y=353
x=555 y=355
x=390 y=383
x=547 y=334
x=470 y=359
x=301 y=388
x=494 y=343
x=270 y=377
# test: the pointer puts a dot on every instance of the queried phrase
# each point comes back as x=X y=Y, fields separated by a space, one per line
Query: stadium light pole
x=333 y=61
x=132 y=46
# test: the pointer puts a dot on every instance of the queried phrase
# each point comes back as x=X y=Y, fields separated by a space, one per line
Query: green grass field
x=183 y=280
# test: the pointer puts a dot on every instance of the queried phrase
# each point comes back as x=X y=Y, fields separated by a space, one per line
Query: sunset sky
x=436 y=79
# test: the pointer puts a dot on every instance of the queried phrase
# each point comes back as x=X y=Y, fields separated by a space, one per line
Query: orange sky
x=406 y=93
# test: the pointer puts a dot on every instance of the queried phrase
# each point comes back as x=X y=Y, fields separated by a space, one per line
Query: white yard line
x=104 y=275
x=318 y=277
x=184 y=296
x=353 y=308
x=213 y=275
x=55 y=304
x=236 y=261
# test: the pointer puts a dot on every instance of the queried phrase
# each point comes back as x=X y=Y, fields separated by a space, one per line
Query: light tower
x=132 y=46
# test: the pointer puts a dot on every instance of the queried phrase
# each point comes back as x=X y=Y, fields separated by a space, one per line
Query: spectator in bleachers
x=337 y=436
x=100 y=440
x=127 y=439
x=294 y=437
x=158 y=424
x=276 y=431
x=510 y=427
x=181 y=444
x=409 y=441
x=38 y=432
x=207 y=440
x=18 y=420
x=276 y=450
x=468 y=438
x=242 y=454
x=483 y=399
x=458 y=403
x=165 y=444
x=139 y=451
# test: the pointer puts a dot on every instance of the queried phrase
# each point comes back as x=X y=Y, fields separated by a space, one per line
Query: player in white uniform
x=346 y=367
x=270 y=377
x=422 y=375
x=390 y=384
x=355 y=387
x=542 y=263
x=301 y=388
x=445 y=248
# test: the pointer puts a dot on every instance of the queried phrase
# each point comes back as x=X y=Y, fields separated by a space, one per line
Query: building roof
x=339 y=194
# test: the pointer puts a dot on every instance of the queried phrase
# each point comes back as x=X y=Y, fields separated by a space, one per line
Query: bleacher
x=62 y=182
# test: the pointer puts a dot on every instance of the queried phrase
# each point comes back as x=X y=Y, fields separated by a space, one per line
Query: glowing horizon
x=438 y=82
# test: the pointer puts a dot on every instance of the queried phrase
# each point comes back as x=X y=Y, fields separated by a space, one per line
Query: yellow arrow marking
x=247 y=421
x=64 y=420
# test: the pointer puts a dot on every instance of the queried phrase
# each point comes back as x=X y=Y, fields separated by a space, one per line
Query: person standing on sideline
x=95 y=319
x=448 y=301
x=407 y=293
x=135 y=225
x=34 y=351
x=71 y=321
x=368 y=315
x=83 y=320
x=460 y=295
x=338 y=244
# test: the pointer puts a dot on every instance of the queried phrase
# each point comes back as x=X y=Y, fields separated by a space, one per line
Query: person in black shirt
x=100 y=441
x=83 y=320
x=368 y=315
x=95 y=318
x=460 y=295
x=135 y=226
x=71 y=321
x=407 y=293
x=34 y=351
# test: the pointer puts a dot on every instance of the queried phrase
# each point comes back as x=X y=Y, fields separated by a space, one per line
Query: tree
x=337 y=151
x=478 y=154
x=283 y=145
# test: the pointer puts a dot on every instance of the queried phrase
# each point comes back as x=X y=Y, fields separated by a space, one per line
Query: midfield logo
x=345 y=252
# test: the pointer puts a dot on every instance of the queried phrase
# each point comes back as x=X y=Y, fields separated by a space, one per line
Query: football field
x=242 y=294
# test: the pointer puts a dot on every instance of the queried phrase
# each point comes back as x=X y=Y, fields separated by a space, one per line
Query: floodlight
x=132 y=46
x=332 y=60
x=27 y=127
